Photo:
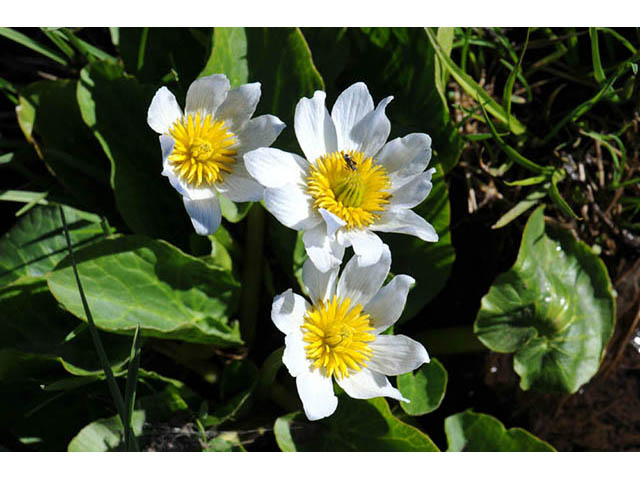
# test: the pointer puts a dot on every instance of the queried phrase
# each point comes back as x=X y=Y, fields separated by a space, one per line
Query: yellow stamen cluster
x=203 y=149
x=349 y=186
x=337 y=337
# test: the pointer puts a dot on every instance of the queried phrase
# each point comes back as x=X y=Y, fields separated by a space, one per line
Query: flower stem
x=252 y=274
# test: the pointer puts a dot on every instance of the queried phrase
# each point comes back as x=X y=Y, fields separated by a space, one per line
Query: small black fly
x=349 y=161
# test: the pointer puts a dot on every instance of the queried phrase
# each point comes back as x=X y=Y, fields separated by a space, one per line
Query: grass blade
x=23 y=196
x=86 y=49
x=598 y=71
x=559 y=201
x=511 y=80
x=111 y=381
x=522 y=206
x=130 y=388
x=25 y=41
x=580 y=110
x=511 y=152
x=472 y=88
x=55 y=36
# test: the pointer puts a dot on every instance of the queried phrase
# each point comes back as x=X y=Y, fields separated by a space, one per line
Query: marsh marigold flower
x=203 y=148
x=339 y=334
x=352 y=183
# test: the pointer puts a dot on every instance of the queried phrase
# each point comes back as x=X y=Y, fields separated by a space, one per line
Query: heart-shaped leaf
x=477 y=432
x=131 y=280
x=554 y=309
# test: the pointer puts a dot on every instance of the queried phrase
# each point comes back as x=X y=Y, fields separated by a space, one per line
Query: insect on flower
x=352 y=182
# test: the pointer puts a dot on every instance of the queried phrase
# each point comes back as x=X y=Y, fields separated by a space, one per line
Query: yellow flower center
x=337 y=337
x=203 y=149
x=353 y=188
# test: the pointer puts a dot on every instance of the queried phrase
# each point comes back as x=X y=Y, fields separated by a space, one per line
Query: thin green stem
x=111 y=381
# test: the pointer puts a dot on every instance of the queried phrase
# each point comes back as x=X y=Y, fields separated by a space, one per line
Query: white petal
x=387 y=305
x=294 y=356
x=396 y=354
x=325 y=252
x=205 y=214
x=239 y=106
x=314 y=127
x=405 y=221
x=333 y=221
x=316 y=393
x=258 y=132
x=413 y=192
x=206 y=94
x=351 y=106
x=274 y=168
x=292 y=206
x=163 y=111
x=287 y=311
x=320 y=285
x=406 y=156
x=362 y=283
x=369 y=384
x=371 y=133
x=239 y=186
x=187 y=191
x=366 y=245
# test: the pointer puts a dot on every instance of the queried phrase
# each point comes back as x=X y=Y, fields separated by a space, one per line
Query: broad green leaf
x=36 y=243
x=232 y=211
x=425 y=389
x=115 y=106
x=228 y=55
x=356 y=426
x=474 y=89
x=280 y=59
x=49 y=116
x=477 y=432
x=405 y=67
x=131 y=280
x=429 y=263
x=554 y=309
x=105 y=434
x=36 y=336
x=151 y=54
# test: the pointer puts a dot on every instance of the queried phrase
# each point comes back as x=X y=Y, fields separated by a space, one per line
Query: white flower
x=203 y=149
x=351 y=183
x=339 y=336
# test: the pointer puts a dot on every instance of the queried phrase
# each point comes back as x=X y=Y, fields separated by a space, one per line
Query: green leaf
x=37 y=336
x=153 y=53
x=115 y=107
x=131 y=280
x=555 y=309
x=425 y=388
x=430 y=263
x=519 y=208
x=477 y=432
x=280 y=59
x=105 y=434
x=476 y=91
x=35 y=244
x=48 y=113
x=356 y=426
x=228 y=55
